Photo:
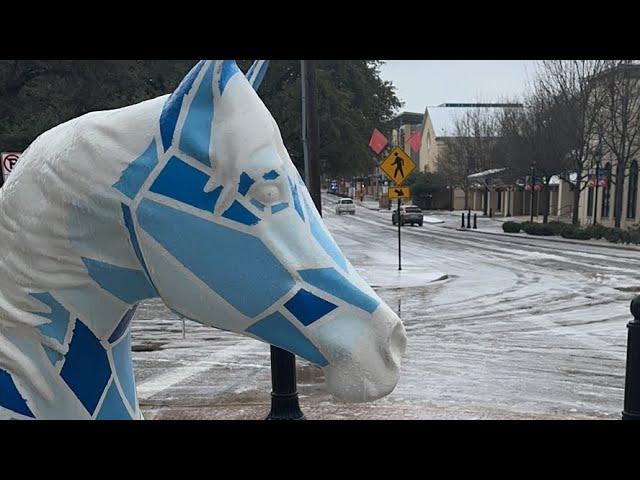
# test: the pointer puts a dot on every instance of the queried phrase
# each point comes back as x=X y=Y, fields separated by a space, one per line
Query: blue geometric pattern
x=10 y=398
x=278 y=207
x=320 y=233
x=128 y=222
x=259 y=205
x=229 y=69
x=296 y=199
x=127 y=284
x=266 y=280
x=137 y=172
x=86 y=368
x=245 y=183
x=238 y=213
x=182 y=182
x=59 y=316
x=112 y=406
x=276 y=330
x=123 y=364
x=256 y=73
x=330 y=281
x=172 y=107
x=196 y=132
x=123 y=325
x=308 y=308
x=272 y=175
x=54 y=357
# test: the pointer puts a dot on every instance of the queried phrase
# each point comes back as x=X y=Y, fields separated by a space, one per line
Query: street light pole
x=533 y=185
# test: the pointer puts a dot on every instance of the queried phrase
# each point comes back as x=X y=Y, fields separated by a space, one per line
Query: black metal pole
x=595 y=200
x=485 y=201
x=462 y=219
x=632 y=381
x=399 y=247
x=475 y=220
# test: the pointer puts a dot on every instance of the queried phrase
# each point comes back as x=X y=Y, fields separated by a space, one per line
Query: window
x=606 y=192
x=632 y=196
x=590 y=202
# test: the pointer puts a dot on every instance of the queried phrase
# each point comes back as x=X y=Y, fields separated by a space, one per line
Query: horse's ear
x=255 y=75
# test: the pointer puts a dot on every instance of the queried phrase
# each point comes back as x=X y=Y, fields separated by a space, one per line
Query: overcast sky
x=431 y=82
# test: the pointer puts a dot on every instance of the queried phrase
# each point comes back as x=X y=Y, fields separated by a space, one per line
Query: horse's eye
x=267 y=193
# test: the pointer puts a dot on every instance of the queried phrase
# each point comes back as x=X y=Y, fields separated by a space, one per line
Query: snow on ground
x=519 y=328
x=432 y=220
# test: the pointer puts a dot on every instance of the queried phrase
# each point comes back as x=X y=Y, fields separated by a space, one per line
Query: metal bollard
x=462 y=219
x=469 y=220
x=491 y=213
x=284 y=394
x=632 y=381
x=475 y=220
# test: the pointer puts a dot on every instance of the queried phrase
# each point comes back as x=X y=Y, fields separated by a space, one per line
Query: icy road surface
x=498 y=328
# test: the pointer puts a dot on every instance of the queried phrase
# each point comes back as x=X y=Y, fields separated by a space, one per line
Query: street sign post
x=398 y=166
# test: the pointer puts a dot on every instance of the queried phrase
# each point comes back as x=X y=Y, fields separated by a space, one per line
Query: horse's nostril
x=397 y=342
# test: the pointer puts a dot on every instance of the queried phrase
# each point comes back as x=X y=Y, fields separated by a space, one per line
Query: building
x=440 y=128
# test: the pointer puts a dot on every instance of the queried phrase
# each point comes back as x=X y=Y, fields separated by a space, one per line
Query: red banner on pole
x=378 y=141
x=415 y=140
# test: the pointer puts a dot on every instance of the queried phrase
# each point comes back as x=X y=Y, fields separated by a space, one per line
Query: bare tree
x=619 y=122
x=470 y=149
x=533 y=143
x=577 y=106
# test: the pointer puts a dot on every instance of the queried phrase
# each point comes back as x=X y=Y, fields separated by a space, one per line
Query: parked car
x=408 y=214
x=345 y=205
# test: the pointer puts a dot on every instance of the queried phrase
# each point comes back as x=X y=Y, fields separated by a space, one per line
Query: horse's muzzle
x=372 y=370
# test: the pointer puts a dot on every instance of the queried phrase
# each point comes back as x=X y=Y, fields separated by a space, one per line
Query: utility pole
x=284 y=395
x=305 y=146
x=310 y=133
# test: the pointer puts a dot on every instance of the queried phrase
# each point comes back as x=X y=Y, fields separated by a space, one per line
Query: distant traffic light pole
x=285 y=404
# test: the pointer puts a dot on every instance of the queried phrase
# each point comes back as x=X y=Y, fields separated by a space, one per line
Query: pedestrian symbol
x=398 y=165
x=399 y=192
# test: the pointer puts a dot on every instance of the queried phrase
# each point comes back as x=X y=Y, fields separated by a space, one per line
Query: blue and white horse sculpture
x=190 y=197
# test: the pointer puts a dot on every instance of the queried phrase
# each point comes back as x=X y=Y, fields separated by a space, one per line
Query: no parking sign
x=9 y=160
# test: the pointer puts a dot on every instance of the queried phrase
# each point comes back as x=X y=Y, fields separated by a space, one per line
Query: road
x=498 y=328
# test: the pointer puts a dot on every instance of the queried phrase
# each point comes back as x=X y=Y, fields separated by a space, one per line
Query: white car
x=345 y=205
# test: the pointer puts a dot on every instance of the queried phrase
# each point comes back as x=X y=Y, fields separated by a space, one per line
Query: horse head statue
x=190 y=197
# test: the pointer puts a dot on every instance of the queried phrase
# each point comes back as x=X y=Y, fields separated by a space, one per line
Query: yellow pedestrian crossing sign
x=398 y=165
x=399 y=192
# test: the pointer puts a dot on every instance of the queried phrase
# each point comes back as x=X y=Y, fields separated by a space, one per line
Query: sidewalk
x=493 y=226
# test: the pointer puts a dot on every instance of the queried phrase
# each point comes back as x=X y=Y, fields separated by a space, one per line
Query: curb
x=531 y=237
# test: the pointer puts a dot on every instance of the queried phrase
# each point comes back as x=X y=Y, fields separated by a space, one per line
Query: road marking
x=168 y=379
